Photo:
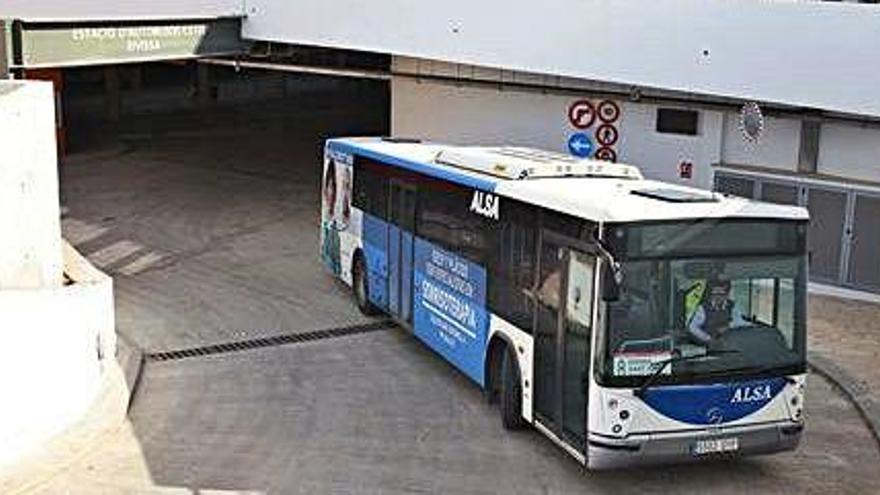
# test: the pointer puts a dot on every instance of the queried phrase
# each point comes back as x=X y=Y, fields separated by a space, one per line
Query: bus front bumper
x=608 y=453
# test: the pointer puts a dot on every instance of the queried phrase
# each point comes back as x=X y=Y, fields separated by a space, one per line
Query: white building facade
x=830 y=165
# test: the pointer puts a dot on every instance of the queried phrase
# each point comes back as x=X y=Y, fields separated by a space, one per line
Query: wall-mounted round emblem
x=751 y=122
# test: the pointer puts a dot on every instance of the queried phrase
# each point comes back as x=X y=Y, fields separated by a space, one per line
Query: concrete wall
x=468 y=114
x=54 y=338
x=850 y=151
x=30 y=228
x=55 y=344
x=464 y=114
x=777 y=149
x=660 y=155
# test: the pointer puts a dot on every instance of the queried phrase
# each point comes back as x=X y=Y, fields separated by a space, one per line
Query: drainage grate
x=276 y=340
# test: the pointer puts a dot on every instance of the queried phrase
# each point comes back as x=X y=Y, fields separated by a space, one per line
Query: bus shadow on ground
x=379 y=413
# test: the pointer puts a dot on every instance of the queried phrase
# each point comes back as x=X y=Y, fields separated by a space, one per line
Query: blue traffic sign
x=580 y=145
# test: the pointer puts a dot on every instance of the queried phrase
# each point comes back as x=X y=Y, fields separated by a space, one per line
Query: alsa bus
x=628 y=320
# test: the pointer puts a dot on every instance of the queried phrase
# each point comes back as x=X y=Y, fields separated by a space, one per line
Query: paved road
x=209 y=224
x=211 y=240
x=379 y=413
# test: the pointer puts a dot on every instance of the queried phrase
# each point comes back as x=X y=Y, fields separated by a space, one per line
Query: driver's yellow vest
x=692 y=299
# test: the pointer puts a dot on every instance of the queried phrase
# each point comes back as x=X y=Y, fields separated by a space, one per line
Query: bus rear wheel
x=361 y=288
x=511 y=393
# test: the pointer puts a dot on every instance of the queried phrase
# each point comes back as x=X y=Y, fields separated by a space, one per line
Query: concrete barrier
x=56 y=344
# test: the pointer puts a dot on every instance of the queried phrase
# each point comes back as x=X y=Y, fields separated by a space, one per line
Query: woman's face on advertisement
x=330 y=191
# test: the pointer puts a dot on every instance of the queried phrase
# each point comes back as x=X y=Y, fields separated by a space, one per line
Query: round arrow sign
x=580 y=145
x=581 y=114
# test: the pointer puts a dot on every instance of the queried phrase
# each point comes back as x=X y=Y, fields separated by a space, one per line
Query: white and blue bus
x=628 y=320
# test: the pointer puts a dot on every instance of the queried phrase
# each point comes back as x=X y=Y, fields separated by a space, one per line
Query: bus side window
x=444 y=219
x=512 y=265
x=786 y=309
x=763 y=301
x=370 y=187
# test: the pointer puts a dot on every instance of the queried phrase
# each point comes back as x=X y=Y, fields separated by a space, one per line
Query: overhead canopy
x=816 y=55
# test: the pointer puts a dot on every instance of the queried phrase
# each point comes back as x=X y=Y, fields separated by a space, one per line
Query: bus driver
x=717 y=313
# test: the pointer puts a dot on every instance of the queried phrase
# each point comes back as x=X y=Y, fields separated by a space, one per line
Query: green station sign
x=57 y=44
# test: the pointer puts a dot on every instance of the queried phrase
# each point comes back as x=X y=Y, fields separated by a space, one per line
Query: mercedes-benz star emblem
x=714 y=416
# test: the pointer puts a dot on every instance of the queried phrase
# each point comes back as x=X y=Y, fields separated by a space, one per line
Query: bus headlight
x=795 y=402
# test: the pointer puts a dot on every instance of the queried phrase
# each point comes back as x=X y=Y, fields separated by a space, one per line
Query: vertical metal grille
x=736 y=186
x=864 y=263
x=827 y=216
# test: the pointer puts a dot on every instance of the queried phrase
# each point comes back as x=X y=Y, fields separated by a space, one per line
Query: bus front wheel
x=361 y=287
x=511 y=393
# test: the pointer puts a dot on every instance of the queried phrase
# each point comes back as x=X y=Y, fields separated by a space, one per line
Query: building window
x=677 y=121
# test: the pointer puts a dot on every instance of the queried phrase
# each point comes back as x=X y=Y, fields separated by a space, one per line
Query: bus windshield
x=728 y=296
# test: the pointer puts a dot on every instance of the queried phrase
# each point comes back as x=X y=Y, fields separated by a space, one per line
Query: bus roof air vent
x=401 y=139
x=677 y=195
x=527 y=163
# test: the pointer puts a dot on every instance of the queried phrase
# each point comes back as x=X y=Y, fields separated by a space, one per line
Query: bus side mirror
x=611 y=280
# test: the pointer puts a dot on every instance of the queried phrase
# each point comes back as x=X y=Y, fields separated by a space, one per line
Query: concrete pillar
x=112 y=96
x=203 y=85
x=808 y=154
x=30 y=227
x=5 y=50
x=136 y=77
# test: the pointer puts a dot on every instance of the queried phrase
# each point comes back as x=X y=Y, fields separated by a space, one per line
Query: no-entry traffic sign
x=606 y=135
x=608 y=111
x=581 y=114
x=607 y=154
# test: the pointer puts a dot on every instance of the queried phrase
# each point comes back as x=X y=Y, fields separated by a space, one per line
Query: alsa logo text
x=751 y=394
x=485 y=204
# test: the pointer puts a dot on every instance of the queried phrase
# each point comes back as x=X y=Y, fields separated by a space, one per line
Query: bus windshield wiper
x=677 y=357
x=752 y=370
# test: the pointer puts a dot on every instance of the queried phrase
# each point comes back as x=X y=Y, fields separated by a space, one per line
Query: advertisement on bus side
x=450 y=306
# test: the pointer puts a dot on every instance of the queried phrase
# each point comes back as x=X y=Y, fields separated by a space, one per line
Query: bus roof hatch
x=528 y=163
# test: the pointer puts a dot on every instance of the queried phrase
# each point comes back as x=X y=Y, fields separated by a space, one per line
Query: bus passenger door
x=401 y=215
x=577 y=336
x=562 y=339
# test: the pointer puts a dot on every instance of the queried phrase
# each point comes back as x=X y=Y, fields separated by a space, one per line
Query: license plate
x=715 y=445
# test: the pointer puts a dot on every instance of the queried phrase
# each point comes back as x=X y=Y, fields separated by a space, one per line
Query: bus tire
x=360 y=286
x=511 y=393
